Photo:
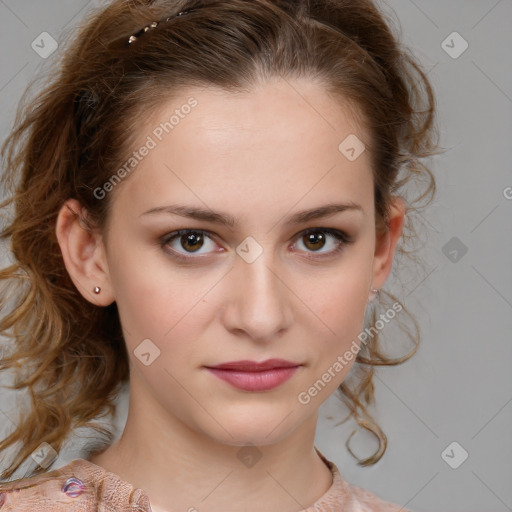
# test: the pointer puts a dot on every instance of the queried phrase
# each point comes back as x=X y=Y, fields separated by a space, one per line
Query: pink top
x=82 y=486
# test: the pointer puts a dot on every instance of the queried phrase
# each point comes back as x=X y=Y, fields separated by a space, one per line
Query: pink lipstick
x=254 y=376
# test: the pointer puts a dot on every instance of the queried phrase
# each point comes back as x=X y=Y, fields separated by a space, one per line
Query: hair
x=69 y=139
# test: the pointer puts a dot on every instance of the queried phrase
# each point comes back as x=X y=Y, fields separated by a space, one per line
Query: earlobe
x=83 y=254
x=386 y=243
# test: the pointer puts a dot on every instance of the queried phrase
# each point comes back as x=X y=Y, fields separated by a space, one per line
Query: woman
x=210 y=196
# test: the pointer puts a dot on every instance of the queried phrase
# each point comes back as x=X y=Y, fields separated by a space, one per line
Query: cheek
x=340 y=304
x=155 y=302
x=340 y=300
x=337 y=343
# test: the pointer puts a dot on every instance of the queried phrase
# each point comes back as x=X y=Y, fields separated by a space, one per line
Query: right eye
x=187 y=241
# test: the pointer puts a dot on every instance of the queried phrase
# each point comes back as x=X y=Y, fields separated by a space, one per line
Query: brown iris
x=192 y=240
x=314 y=239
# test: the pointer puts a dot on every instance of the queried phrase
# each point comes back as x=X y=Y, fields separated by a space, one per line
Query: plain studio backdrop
x=447 y=412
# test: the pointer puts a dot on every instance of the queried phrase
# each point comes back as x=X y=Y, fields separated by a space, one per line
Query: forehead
x=302 y=106
x=275 y=144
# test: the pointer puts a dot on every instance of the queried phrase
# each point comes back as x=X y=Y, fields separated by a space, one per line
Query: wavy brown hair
x=69 y=139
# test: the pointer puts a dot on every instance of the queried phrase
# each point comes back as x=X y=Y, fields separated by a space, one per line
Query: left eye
x=318 y=238
x=314 y=239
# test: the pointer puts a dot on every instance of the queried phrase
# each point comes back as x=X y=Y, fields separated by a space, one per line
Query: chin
x=254 y=425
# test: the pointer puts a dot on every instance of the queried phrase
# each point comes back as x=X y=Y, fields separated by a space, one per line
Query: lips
x=253 y=376
x=254 y=366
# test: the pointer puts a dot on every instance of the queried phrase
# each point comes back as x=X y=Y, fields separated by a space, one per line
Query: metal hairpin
x=154 y=24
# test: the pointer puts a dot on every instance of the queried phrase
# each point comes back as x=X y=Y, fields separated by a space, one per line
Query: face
x=195 y=291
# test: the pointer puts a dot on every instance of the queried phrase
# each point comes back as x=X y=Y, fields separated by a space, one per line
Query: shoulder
x=343 y=495
x=366 y=501
x=46 y=491
x=80 y=486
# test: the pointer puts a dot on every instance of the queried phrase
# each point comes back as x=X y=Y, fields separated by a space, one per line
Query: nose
x=259 y=302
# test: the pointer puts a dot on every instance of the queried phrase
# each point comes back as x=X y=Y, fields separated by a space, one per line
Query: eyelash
x=342 y=238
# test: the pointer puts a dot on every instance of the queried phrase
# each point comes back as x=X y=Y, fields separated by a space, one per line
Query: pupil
x=314 y=238
x=192 y=239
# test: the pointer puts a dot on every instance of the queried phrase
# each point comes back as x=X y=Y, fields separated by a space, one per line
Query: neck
x=182 y=469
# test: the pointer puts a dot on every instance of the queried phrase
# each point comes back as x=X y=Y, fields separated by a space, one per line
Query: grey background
x=458 y=387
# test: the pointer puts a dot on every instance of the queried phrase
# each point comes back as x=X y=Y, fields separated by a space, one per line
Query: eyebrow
x=227 y=220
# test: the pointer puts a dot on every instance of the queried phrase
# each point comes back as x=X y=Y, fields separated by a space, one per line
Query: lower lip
x=255 y=381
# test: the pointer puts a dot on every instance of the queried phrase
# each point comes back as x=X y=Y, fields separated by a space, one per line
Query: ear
x=386 y=243
x=84 y=254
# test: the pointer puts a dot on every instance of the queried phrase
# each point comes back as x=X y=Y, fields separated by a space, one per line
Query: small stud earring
x=373 y=294
x=97 y=289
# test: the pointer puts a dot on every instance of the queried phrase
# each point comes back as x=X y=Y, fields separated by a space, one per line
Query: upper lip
x=254 y=366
